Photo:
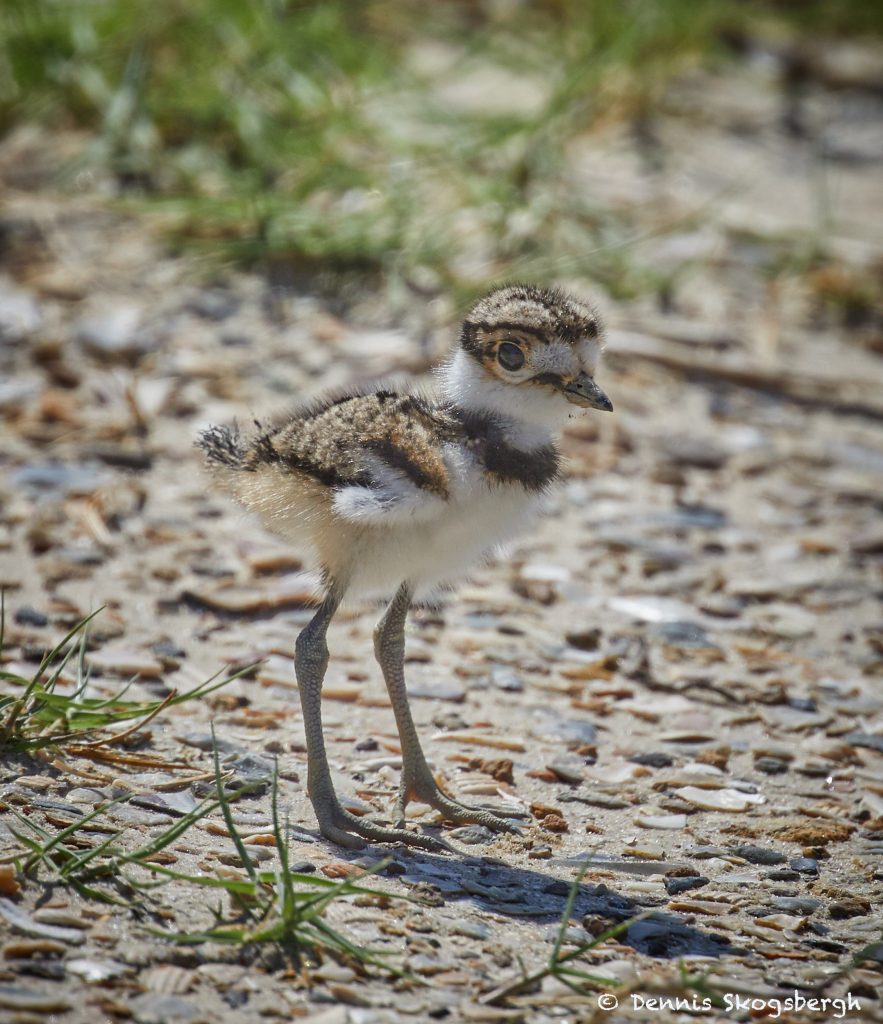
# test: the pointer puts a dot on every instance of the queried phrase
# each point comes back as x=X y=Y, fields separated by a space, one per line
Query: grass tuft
x=34 y=715
x=281 y=908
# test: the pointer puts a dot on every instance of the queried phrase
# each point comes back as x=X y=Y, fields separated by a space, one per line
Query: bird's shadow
x=498 y=888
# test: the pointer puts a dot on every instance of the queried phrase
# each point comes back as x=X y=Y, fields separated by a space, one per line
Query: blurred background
x=389 y=145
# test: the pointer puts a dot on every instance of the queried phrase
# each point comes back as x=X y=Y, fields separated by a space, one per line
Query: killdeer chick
x=397 y=492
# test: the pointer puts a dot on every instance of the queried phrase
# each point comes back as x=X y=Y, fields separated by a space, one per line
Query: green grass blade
x=238 y=936
x=82 y=670
x=228 y=816
x=26 y=841
x=239 y=887
x=209 y=685
x=69 y=830
x=41 y=832
x=567 y=912
x=290 y=911
x=51 y=655
x=346 y=887
x=182 y=825
x=77 y=863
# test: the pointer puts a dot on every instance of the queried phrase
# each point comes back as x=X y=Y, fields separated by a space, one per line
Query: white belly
x=427 y=544
x=429 y=554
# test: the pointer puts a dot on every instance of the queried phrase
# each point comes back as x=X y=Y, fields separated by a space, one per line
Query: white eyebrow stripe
x=556 y=357
x=588 y=351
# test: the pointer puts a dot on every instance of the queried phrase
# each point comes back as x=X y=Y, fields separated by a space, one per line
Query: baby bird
x=397 y=492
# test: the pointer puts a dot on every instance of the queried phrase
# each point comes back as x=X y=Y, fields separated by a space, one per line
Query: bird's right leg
x=417 y=782
x=335 y=823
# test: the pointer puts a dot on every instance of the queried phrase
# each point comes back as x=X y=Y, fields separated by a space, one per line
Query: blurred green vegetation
x=426 y=141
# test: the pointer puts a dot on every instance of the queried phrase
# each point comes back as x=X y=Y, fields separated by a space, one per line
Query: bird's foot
x=347 y=829
x=424 y=789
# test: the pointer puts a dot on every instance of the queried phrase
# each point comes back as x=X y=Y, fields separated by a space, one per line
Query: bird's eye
x=510 y=356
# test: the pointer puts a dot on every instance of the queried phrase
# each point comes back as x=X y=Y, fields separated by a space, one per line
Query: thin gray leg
x=310 y=664
x=417 y=782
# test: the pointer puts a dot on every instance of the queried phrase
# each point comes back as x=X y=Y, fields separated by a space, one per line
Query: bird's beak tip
x=585 y=392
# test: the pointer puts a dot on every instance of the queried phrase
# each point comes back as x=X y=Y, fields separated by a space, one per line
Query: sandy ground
x=676 y=675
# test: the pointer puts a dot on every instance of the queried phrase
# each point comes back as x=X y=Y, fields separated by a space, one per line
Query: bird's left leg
x=417 y=782
x=335 y=822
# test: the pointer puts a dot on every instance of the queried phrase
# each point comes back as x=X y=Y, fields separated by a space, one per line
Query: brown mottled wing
x=385 y=444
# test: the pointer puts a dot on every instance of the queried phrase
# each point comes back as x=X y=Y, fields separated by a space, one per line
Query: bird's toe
x=360 y=829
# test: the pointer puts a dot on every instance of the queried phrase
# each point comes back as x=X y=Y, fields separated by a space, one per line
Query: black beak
x=585 y=392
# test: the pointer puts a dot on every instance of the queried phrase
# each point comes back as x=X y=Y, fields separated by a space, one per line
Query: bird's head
x=529 y=351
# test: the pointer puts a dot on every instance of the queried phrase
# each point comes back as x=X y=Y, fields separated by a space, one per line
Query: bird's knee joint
x=384 y=636
x=310 y=646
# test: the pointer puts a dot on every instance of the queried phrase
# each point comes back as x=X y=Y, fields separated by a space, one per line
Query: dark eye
x=510 y=356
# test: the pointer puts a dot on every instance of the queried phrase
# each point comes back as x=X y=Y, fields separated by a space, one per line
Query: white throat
x=530 y=416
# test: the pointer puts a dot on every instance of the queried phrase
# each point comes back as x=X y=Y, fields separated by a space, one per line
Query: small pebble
x=96 y=971
x=705 y=852
x=673 y=886
x=720 y=799
x=850 y=906
x=303 y=867
x=67 y=478
x=645 y=851
x=759 y=855
x=168 y=649
x=12 y=997
x=554 y=823
x=213 y=304
x=25 y=948
x=19 y=921
x=473 y=835
x=293 y=590
x=796 y=904
x=573 y=935
x=682 y=634
x=613 y=803
x=63 y=918
x=871 y=741
x=652 y=609
x=331 y=971
x=506 y=679
x=664 y=821
x=159 y=1008
x=573 y=731
x=653 y=759
x=471 y=929
x=123 y=661
x=30 y=617
x=566 y=772
x=112 y=331
x=452 y=692
x=802 y=704
x=805 y=865
x=248 y=769
x=584 y=639
x=20 y=315
x=206 y=741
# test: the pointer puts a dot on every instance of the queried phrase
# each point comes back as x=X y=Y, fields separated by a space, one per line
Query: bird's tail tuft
x=223 y=446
